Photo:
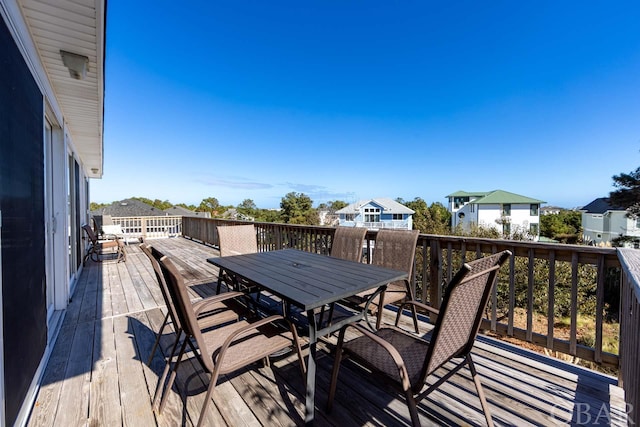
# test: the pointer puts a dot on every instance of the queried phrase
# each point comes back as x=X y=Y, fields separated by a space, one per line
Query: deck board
x=97 y=373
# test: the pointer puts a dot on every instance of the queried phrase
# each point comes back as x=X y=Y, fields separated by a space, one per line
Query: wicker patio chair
x=393 y=249
x=406 y=360
x=97 y=247
x=211 y=311
x=236 y=240
x=347 y=243
x=228 y=348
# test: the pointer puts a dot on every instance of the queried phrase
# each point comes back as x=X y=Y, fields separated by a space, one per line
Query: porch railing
x=542 y=285
x=629 y=332
x=134 y=227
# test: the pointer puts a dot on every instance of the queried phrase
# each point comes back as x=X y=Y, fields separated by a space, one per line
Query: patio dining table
x=310 y=281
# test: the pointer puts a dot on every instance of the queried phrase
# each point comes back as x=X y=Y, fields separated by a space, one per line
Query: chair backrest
x=347 y=243
x=184 y=308
x=107 y=220
x=90 y=233
x=462 y=309
x=237 y=240
x=396 y=249
x=154 y=256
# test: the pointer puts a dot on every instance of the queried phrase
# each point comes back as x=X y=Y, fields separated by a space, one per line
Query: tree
x=565 y=226
x=434 y=219
x=247 y=204
x=297 y=209
x=627 y=194
x=210 y=204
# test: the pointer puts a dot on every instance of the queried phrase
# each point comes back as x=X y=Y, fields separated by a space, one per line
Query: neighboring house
x=51 y=126
x=235 y=215
x=129 y=208
x=328 y=217
x=182 y=211
x=603 y=223
x=375 y=214
x=550 y=210
x=506 y=212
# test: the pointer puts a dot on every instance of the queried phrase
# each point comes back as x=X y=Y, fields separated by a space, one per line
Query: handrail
x=533 y=282
x=629 y=327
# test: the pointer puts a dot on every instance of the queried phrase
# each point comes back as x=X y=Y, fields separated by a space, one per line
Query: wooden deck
x=97 y=374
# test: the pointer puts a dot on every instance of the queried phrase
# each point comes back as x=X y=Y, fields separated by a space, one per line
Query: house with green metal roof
x=508 y=213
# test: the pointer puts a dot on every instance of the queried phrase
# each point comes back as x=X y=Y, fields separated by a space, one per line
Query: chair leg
x=336 y=368
x=157 y=341
x=205 y=404
x=413 y=409
x=167 y=366
x=172 y=377
x=483 y=400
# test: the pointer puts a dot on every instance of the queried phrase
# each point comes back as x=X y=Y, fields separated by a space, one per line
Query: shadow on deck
x=97 y=373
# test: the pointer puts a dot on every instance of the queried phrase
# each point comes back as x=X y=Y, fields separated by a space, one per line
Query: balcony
x=97 y=373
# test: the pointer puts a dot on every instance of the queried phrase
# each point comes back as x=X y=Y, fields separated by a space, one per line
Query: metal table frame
x=310 y=281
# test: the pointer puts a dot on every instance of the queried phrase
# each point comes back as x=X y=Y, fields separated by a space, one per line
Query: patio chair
x=236 y=240
x=393 y=249
x=408 y=361
x=228 y=348
x=98 y=247
x=211 y=311
x=347 y=243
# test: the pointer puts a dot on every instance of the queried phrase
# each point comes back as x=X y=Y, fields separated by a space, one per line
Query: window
x=533 y=209
x=506 y=209
x=396 y=217
x=458 y=202
x=371 y=214
x=349 y=217
x=533 y=229
x=506 y=229
x=638 y=222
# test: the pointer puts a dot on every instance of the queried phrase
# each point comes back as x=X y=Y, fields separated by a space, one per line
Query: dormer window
x=506 y=209
x=371 y=214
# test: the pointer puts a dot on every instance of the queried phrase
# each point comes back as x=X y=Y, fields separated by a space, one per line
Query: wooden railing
x=541 y=283
x=629 y=332
x=149 y=226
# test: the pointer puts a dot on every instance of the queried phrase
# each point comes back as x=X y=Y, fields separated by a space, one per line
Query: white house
x=602 y=223
x=375 y=214
x=51 y=127
x=506 y=212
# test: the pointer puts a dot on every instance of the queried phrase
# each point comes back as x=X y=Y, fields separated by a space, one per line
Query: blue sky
x=348 y=100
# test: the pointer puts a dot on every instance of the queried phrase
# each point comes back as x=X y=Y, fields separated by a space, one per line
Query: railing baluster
x=530 y=284
x=573 y=337
x=551 y=294
x=512 y=292
x=601 y=276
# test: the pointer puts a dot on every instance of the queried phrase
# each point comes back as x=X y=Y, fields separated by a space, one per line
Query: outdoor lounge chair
x=406 y=360
x=393 y=249
x=211 y=311
x=228 y=348
x=97 y=247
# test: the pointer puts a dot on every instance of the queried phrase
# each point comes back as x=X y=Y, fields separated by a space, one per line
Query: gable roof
x=387 y=205
x=180 y=210
x=129 y=207
x=600 y=206
x=496 y=196
x=468 y=194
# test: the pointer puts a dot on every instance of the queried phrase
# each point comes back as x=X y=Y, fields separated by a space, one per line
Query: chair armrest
x=421 y=305
x=207 y=303
x=390 y=349
x=239 y=333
